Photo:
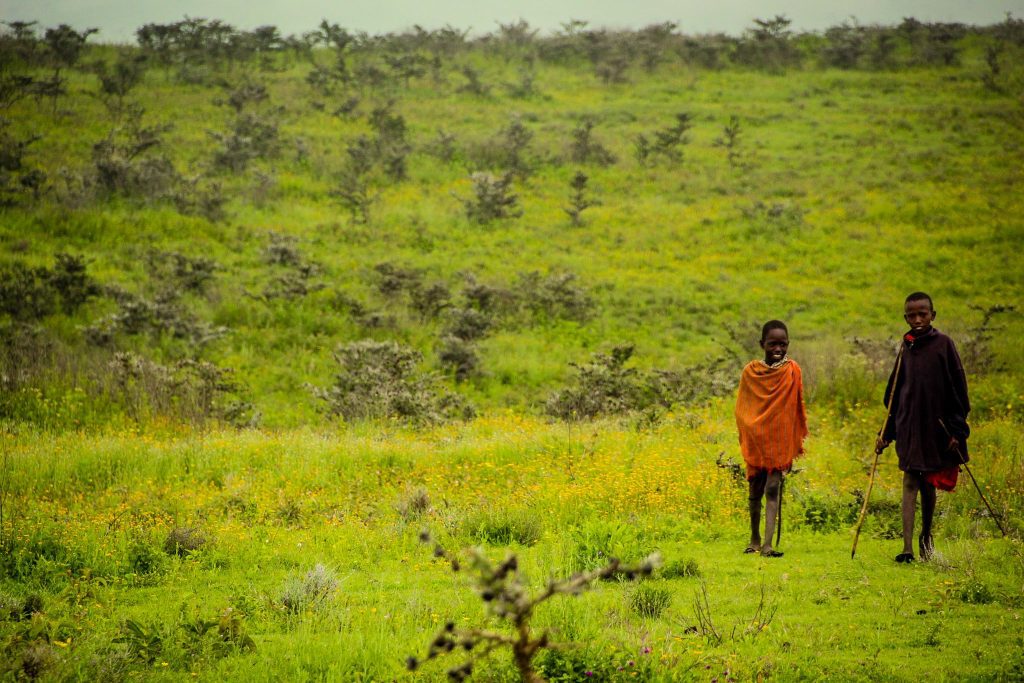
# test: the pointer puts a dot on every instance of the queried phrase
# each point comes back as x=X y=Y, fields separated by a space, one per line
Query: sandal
x=905 y=558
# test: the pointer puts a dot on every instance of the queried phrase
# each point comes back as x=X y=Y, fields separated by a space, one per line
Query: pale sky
x=118 y=19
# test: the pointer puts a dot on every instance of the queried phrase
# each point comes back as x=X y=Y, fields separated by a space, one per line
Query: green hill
x=253 y=202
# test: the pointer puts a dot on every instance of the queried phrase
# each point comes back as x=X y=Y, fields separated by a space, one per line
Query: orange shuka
x=770 y=415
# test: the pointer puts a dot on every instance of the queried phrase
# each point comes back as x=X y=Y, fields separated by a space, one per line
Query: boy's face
x=918 y=314
x=775 y=345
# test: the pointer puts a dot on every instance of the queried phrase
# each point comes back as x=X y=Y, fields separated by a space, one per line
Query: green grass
x=86 y=520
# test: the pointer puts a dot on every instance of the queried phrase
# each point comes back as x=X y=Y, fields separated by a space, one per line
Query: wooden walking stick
x=963 y=462
x=874 y=466
x=778 y=518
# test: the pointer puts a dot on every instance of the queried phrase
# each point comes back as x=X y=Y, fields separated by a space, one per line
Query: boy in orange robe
x=772 y=425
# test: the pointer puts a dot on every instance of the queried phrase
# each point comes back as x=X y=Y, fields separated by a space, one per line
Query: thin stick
x=778 y=520
x=874 y=466
x=963 y=462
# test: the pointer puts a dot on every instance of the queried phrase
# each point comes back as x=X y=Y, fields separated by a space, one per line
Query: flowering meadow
x=295 y=555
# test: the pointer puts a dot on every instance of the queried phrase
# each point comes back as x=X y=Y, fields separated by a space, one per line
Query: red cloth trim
x=944 y=480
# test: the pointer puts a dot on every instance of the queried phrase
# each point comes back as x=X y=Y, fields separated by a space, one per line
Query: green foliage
x=380 y=380
x=144 y=641
x=649 y=599
x=597 y=541
x=503 y=527
x=605 y=386
x=183 y=541
x=679 y=569
x=974 y=591
x=492 y=199
x=308 y=591
x=28 y=294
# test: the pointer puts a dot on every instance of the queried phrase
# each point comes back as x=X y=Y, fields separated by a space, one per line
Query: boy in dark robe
x=927 y=419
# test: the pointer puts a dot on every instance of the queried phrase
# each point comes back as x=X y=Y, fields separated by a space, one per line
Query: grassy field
x=309 y=542
x=197 y=483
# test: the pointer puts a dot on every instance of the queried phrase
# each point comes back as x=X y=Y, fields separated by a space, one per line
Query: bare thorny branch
x=501 y=587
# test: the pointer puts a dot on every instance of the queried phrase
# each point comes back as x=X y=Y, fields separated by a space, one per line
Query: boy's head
x=774 y=341
x=918 y=311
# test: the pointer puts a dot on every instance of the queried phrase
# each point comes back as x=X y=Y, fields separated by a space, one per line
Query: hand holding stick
x=880 y=444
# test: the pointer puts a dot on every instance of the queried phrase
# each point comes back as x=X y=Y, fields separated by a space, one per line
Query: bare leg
x=908 y=508
x=756 y=493
x=924 y=541
x=772 y=489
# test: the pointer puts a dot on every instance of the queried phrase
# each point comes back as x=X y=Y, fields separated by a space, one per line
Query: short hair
x=773 y=325
x=920 y=296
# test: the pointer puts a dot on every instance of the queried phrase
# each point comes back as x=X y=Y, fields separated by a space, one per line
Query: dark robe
x=929 y=406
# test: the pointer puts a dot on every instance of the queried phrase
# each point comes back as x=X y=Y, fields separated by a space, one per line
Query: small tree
x=585 y=149
x=990 y=79
x=730 y=139
x=578 y=201
x=492 y=199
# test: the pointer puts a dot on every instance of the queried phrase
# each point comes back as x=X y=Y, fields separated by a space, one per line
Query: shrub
x=730 y=140
x=845 y=45
x=144 y=559
x=120 y=79
x=379 y=380
x=503 y=527
x=492 y=199
x=28 y=294
x=555 y=296
x=584 y=149
x=187 y=273
x=430 y=300
x=414 y=504
x=597 y=541
x=467 y=324
x=309 y=591
x=604 y=386
x=164 y=314
x=773 y=218
x=474 y=85
x=507 y=151
x=488 y=299
x=190 y=390
x=25 y=293
x=183 y=541
x=18 y=180
x=282 y=251
x=974 y=591
x=128 y=162
x=679 y=569
x=393 y=280
x=251 y=136
x=443 y=147
x=649 y=600
x=459 y=356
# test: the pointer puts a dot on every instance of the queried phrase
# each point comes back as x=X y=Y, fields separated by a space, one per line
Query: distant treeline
x=767 y=44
